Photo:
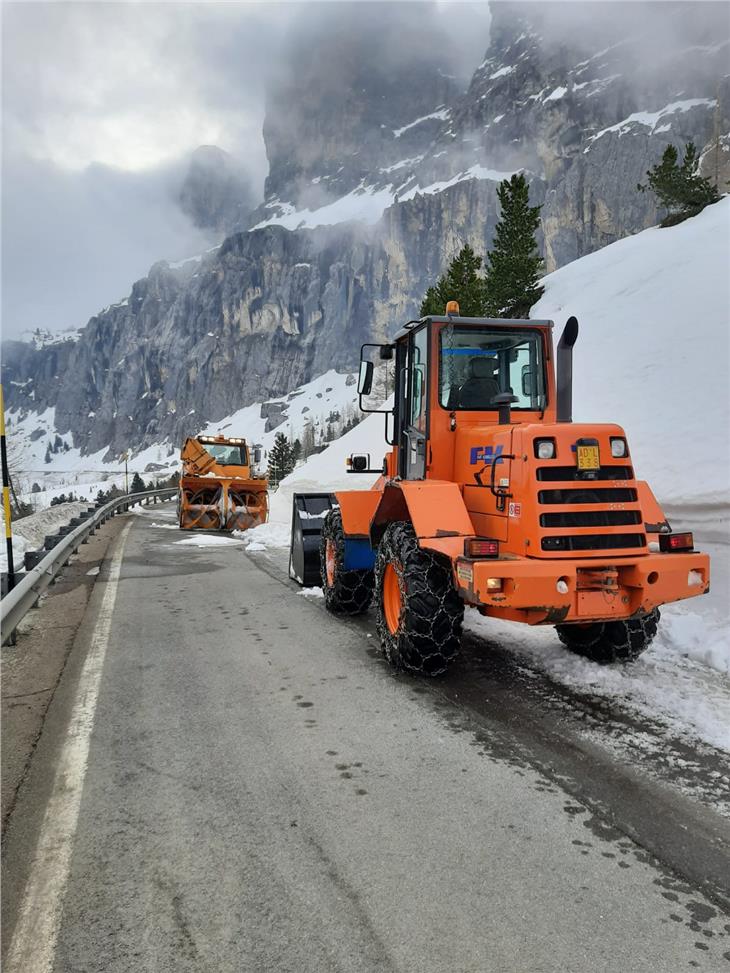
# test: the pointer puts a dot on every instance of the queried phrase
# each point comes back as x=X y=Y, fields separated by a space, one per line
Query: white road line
x=34 y=940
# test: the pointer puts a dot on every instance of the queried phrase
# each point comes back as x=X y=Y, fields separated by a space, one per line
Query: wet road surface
x=248 y=787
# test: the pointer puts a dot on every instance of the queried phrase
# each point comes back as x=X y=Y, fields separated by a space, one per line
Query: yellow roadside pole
x=6 y=501
x=6 y=495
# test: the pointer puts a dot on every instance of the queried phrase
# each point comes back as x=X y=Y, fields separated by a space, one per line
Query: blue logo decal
x=485 y=454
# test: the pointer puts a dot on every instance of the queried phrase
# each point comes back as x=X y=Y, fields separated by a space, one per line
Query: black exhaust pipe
x=565 y=370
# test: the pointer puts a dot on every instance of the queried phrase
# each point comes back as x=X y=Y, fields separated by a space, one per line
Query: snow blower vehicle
x=492 y=497
x=219 y=489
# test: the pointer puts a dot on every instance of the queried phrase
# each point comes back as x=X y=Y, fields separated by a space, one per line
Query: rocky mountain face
x=339 y=118
x=584 y=108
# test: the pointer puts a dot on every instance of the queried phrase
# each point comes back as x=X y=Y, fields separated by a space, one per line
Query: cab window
x=477 y=364
x=417 y=390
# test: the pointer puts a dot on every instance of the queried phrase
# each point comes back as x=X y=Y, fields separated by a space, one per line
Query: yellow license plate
x=588 y=458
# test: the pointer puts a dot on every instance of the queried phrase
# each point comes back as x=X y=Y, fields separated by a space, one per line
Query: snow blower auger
x=493 y=497
x=218 y=488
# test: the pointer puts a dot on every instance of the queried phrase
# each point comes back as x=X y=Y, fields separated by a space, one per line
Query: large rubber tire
x=419 y=613
x=606 y=642
x=345 y=592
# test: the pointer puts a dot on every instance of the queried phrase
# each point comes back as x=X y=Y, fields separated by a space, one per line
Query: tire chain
x=432 y=612
x=622 y=640
x=352 y=591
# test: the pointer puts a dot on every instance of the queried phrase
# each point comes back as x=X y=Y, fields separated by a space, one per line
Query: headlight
x=619 y=449
x=545 y=448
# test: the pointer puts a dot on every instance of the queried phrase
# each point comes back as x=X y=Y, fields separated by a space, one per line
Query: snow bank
x=30 y=532
x=325 y=471
x=685 y=695
x=653 y=352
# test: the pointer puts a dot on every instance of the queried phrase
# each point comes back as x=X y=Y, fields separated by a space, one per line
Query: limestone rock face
x=574 y=105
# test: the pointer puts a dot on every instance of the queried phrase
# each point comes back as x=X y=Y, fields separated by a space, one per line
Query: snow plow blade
x=308 y=513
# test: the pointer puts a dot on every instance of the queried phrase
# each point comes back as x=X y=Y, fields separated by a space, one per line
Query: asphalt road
x=231 y=780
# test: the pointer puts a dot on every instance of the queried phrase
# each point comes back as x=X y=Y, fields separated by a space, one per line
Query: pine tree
x=296 y=450
x=137 y=485
x=281 y=460
x=461 y=283
x=680 y=189
x=47 y=458
x=514 y=264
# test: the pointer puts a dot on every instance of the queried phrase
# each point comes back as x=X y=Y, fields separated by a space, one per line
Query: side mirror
x=257 y=455
x=386 y=352
x=365 y=378
x=359 y=462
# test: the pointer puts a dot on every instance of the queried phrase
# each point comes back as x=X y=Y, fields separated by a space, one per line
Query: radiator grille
x=591 y=518
x=593 y=542
x=575 y=495
x=565 y=473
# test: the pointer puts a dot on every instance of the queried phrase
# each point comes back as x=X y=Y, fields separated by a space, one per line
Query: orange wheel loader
x=492 y=497
x=218 y=487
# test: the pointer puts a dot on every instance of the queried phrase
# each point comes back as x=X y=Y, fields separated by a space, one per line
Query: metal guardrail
x=28 y=590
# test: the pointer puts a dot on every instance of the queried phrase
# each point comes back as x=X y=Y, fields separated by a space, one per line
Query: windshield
x=475 y=364
x=227 y=455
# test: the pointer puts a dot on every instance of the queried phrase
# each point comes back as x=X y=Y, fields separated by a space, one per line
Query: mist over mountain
x=383 y=162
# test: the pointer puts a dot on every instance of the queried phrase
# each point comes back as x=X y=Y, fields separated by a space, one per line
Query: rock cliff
x=276 y=305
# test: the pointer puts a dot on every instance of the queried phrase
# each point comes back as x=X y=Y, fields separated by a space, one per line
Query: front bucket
x=308 y=513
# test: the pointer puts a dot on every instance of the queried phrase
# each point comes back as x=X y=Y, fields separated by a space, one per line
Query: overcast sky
x=101 y=104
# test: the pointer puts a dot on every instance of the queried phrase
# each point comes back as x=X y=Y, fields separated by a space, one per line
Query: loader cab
x=454 y=372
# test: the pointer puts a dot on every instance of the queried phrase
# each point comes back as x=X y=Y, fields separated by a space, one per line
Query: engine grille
x=589 y=503
x=591 y=518
x=588 y=495
x=593 y=542
x=565 y=473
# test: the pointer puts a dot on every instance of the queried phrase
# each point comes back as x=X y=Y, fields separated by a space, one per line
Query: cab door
x=414 y=435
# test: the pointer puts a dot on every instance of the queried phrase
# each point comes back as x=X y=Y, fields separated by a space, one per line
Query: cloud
x=103 y=102
x=75 y=242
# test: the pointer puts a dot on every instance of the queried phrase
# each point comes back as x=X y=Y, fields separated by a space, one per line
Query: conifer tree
x=461 y=283
x=281 y=460
x=680 y=189
x=137 y=485
x=514 y=264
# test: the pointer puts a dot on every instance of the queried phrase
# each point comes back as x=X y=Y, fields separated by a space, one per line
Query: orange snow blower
x=492 y=497
x=218 y=488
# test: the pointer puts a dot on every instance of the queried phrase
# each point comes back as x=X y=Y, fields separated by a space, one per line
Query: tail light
x=481 y=547
x=676 y=542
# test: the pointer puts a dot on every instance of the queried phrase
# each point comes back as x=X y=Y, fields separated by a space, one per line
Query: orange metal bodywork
x=539 y=584
x=216 y=496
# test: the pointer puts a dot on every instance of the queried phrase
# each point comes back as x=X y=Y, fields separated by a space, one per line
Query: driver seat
x=480 y=388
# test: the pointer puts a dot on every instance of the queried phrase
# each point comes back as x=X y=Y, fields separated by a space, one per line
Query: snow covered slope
x=653 y=353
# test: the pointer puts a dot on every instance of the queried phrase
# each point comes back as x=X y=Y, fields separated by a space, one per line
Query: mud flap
x=308 y=513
